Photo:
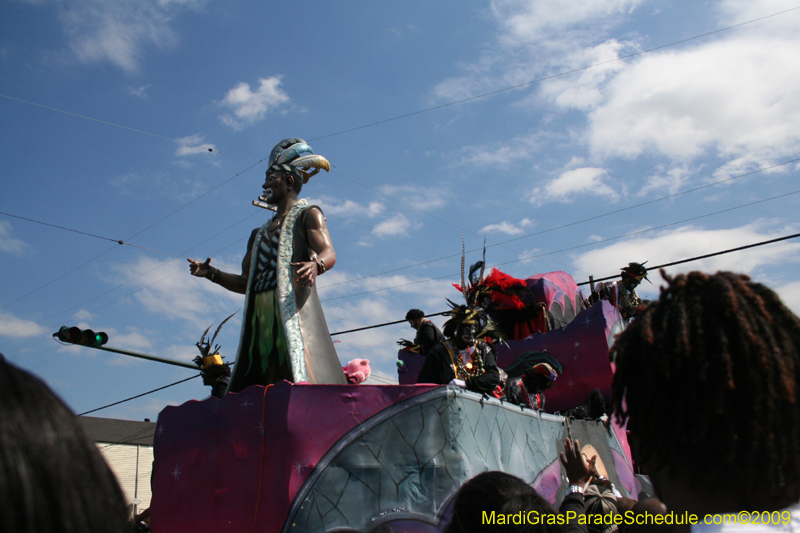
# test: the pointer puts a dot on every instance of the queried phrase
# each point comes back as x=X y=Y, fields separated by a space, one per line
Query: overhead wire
x=558 y=75
x=118 y=241
x=107 y=123
x=415 y=208
x=706 y=256
x=130 y=280
x=673 y=263
x=594 y=243
x=139 y=395
x=575 y=223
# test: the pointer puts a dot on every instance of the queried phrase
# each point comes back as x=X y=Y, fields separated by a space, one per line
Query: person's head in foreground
x=52 y=478
x=500 y=493
x=707 y=379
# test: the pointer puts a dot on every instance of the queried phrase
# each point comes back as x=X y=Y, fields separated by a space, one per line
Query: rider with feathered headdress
x=465 y=358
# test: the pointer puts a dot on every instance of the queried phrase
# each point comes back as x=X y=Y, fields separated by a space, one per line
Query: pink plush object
x=357 y=371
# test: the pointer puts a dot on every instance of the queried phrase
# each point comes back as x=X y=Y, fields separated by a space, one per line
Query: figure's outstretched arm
x=319 y=240
x=233 y=282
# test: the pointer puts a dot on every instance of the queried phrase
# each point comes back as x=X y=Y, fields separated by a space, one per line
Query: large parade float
x=322 y=458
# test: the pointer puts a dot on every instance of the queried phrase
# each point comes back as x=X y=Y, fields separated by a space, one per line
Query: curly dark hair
x=707 y=379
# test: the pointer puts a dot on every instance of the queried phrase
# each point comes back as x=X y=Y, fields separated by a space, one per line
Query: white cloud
x=669 y=179
x=116 y=32
x=502 y=154
x=193 y=144
x=17 y=328
x=734 y=98
x=250 y=106
x=573 y=183
x=133 y=340
x=83 y=315
x=139 y=92
x=536 y=37
x=378 y=345
x=144 y=186
x=790 y=294
x=9 y=244
x=692 y=241
x=179 y=296
x=428 y=198
x=394 y=226
x=509 y=228
x=583 y=91
x=347 y=208
x=532 y=21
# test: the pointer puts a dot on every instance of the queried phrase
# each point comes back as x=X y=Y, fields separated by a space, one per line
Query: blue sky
x=108 y=110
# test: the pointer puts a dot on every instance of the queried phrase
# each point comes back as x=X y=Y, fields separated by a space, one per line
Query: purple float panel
x=236 y=464
x=582 y=347
x=559 y=292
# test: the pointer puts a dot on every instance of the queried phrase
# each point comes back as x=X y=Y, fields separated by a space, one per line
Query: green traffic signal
x=85 y=337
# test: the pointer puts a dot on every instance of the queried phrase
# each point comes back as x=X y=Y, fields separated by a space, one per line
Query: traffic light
x=84 y=337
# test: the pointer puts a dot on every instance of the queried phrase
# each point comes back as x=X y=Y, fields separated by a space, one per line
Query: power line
x=545 y=78
x=574 y=247
x=179 y=141
x=139 y=395
x=575 y=223
x=118 y=241
x=121 y=284
x=415 y=208
x=723 y=252
x=382 y=325
x=696 y=258
x=57 y=279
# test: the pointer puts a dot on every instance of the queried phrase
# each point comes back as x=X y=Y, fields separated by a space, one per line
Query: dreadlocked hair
x=707 y=378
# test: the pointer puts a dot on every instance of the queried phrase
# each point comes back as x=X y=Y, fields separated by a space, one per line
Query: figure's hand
x=199 y=269
x=404 y=342
x=306 y=272
x=577 y=467
x=460 y=383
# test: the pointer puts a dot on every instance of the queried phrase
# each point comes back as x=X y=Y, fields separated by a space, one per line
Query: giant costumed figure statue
x=284 y=333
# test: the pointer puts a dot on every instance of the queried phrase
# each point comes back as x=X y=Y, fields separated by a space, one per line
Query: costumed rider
x=462 y=359
x=284 y=333
x=528 y=389
x=428 y=335
x=622 y=294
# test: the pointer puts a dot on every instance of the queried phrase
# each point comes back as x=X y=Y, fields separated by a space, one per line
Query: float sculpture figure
x=284 y=333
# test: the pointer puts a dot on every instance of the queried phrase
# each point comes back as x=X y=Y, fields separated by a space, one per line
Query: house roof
x=115 y=431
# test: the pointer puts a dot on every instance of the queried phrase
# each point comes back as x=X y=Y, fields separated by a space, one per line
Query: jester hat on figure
x=636 y=271
x=296 y=157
